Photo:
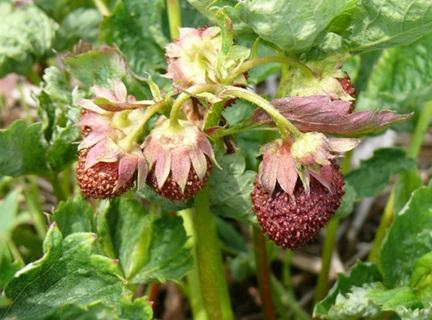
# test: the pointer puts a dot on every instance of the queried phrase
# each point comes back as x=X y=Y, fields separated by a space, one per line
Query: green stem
x=286 y=271
x=16 y=254
x=412 y=152
x=210 y=263
x=262 y=60
x=382 y=229
x=183 y=97
x=102 y=7
x=285 y=127
x=263 y=274
x=194 y=288
x=130 y=140
x=174 y=17
x=420 y=130
x=67 y=180
x=32 y=198
x=329 y=243
x=57 y=188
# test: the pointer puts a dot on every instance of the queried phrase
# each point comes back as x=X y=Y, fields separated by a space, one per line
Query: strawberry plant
x=215 y=159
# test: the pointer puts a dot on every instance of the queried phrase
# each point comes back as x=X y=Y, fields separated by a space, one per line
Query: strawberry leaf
x=23 y=150
x=68 y=273
x=148 y=248
x=408 y=239
x=230 y=188
x=26 y=34
x=374 y=173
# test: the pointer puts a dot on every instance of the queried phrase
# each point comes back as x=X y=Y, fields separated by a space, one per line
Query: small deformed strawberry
x=298 y=187
x=108 y=162
x=180 y=160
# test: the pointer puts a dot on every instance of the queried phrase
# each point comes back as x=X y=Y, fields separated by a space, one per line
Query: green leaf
x=26 y=34
x=347 y=203
x=59 y=9
x=59 y=116
x=167 y=257
x=23 y=150
x=81 y=24
x=68 y=273
x=408 y=239
x=239 y=111
x=231 y=239
x=230 y=188
x=73 y=216
x=97 y=67
x=421 y=279
x=166 y=205
x=399 y=83
x=291 y=25
x=374 y=173
x=148 y=248
x=361 y=274
x=390 y=300
x=8 y=214
x=381 y=24
x=8 y=267
x=135 y=26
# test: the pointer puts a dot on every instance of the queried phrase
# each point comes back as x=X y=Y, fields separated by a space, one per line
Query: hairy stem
x=262 y=60
x=263 y=274
x=412 y=152
x=329 y=243
x=174 y=17
x=210 y=263
x=286 y=128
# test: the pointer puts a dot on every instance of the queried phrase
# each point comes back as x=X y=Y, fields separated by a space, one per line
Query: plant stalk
x=102 y=7
x=263 y=274
x=210 y=263
x=193 y=288
x=57 y=188
x=174 y=18
x=34 y=206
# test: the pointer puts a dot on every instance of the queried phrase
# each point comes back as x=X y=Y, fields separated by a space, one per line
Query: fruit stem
x=129 y=141
x=183 y=97
x=194 y=291
x=174 y=18
x=412 y=152
x=263 y=274
x=286 y=128
x=244 y=67
x=210 y=262
x=329 y=243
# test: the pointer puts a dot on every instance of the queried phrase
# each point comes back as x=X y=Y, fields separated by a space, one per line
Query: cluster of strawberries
x=298 y=186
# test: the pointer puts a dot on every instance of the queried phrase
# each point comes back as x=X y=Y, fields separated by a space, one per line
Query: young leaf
x=230 y=188
x=26 y=33
x=23 y=150
x=68 y=273
x=374 y=173
x=408 y=239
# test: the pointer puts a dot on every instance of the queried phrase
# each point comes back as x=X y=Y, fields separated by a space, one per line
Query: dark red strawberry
x=294 y=221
